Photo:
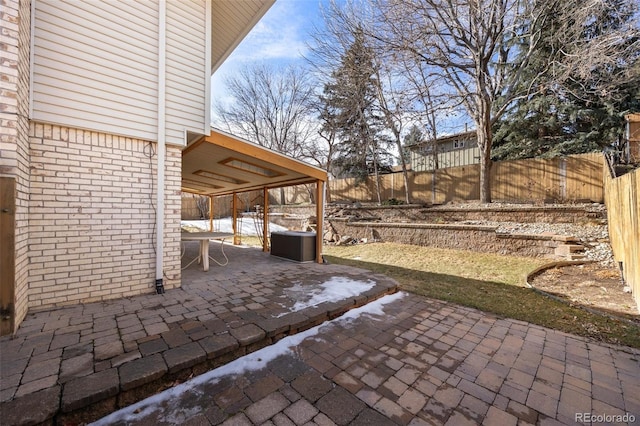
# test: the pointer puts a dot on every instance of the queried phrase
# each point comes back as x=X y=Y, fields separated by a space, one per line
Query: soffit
x=231 y=22
x=221 y=164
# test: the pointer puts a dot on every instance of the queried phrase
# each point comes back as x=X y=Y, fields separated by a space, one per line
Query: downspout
x=162 y=22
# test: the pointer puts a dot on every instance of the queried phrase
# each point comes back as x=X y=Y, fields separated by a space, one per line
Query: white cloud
x=280 y=34
x=278 y=38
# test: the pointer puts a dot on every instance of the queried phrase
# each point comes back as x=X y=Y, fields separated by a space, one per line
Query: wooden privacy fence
x=566 y=179
x=622 y=197
x=196 y=206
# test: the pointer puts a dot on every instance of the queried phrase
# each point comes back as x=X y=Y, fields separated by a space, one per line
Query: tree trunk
x=485 y=177
x=484 y=144
x=377 y=180
x=405 y=175
x=485 y=140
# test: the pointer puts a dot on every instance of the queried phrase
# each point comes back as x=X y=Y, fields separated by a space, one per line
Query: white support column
x=210 y=213
x=234 y=214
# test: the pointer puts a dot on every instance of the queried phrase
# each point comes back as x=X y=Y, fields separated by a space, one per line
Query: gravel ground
x=593 y=236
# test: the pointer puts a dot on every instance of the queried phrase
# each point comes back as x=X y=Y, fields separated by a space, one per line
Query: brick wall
x=172 y=210
x=92 y=216
x=14 y=124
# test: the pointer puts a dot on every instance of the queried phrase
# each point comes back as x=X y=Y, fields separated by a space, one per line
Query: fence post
x=433 y=187
x=563 y=178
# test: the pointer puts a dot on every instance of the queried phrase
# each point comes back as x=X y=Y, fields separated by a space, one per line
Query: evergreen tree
x=415 y=136
x=349 y=110
x=585 y=110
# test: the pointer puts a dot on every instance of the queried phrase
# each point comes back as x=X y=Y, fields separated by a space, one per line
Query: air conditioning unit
x=294 y=245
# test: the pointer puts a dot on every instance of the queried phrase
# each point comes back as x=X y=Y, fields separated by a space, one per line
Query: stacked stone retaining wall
x=462 y=237
x=449 y=213
x=448 y=226
x=524 y=214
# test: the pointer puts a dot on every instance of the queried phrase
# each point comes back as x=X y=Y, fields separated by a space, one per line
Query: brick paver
x=91 y=353
x=395 y=383
x=422 y=362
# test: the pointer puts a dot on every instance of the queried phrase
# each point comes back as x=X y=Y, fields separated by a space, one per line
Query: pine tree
x=415 y=136
x=584 y=111
x=349 y=110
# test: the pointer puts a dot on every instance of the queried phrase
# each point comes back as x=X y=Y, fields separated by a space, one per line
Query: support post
x=210 y=213
x=319 y=219
x=234 y=220
x=265 y=220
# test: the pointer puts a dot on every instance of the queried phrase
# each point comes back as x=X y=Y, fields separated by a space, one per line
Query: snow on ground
x=246 y=225
x=169 y=400
x=337 y=288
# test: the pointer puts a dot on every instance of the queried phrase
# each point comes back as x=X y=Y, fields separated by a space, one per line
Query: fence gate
x=7 y=253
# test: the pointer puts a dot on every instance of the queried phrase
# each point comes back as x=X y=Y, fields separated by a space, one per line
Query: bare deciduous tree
x=475 y=47
x=343 y=25
x=272 y=108
x=481 y=49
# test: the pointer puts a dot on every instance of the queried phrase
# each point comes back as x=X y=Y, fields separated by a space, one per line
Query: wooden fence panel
x=572 y=178
x=622 y=197
x=398 y=188
x=421 y=187
x=221 y=205
x=584 y=177
x=457 y=184
x=526 y=180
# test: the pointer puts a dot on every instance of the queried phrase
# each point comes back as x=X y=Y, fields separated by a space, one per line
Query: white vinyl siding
x=95 y=67
x=186 y=70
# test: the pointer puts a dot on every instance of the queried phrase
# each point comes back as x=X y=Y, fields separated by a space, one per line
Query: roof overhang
x=222 y=164
x=231 y=22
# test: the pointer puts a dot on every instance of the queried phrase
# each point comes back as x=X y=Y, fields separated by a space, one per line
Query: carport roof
x=222 y=164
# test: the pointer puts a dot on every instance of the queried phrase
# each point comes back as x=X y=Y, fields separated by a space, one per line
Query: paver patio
x=422 y=362
x=99 y=356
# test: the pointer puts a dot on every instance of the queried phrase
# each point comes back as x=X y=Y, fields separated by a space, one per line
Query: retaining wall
x=462 y=237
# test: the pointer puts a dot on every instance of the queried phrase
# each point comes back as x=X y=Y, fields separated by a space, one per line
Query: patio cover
x=223 y=164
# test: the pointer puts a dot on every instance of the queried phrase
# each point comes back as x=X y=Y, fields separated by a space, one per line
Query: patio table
x=204 y=238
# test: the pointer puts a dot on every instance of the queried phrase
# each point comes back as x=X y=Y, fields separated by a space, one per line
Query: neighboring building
x=451 y=151
x=632 y=136
x=99 y=98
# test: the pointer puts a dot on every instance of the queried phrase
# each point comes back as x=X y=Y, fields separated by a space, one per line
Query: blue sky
x=278 y=38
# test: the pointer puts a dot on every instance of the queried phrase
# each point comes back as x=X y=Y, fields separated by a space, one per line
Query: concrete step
x=568 y=249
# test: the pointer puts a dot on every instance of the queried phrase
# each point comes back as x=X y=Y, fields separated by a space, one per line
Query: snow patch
x=333 y=290
x=246 y=226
